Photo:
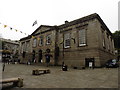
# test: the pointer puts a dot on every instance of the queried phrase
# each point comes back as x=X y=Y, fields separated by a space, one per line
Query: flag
x=5 y=26
x=34 y=23
x=32 y=36
x=16 y=30
x=10 y=28
x=38 y=38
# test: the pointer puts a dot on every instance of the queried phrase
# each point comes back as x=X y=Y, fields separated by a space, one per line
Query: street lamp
x=63 y=45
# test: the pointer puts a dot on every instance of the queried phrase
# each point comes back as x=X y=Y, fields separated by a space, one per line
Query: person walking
x=47 y=56
x=3 y=67
x=34 y=60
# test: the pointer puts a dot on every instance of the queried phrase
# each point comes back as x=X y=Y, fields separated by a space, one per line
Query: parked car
x=112 y=63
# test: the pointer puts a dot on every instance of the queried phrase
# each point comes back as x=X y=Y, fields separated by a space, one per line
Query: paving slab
x=73 y=78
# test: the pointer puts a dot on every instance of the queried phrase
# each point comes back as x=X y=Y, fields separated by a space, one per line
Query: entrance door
x=40 y=55
x=33 y=56
x=87 y=60
x=24 y=54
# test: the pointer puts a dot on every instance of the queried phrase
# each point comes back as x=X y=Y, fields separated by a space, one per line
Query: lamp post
x=63 y=46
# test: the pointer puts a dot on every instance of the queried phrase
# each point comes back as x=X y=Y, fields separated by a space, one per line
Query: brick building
x=75 y=43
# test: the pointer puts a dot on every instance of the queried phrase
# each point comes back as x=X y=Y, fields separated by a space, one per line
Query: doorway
x=24 y=53
x=40 y=56
x=33 y=56
x=88 y=60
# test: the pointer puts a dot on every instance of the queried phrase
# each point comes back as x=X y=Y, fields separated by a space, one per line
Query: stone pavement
x=73 y=78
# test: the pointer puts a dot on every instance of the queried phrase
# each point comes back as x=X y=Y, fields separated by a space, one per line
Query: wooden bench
x=40 y=71
x=16 y=81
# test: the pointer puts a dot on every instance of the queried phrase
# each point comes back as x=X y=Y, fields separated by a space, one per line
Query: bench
x=16 y=81
x=40 y=71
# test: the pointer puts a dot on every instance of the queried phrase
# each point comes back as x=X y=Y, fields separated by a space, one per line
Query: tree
x=2 y=44
x=116 y=37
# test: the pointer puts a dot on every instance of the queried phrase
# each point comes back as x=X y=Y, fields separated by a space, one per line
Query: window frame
x=34 y=45
x=67 y=38
x=48 y=43
x=41 y=39
x=85 y=38
x=103 y=39
x=28 y=46
x=22 y=47
x=108 y=42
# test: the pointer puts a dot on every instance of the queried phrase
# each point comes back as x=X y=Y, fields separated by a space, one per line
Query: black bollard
x=64 y=67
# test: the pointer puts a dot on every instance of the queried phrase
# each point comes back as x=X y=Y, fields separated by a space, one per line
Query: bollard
x=64 y=68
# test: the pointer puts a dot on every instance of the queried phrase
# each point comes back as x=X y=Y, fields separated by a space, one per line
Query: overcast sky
x=20 y=14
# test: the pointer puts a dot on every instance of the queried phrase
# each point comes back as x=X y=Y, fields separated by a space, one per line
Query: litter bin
x=64 y=68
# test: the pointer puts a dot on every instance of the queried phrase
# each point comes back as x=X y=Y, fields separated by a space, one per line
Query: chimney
x=66 y=22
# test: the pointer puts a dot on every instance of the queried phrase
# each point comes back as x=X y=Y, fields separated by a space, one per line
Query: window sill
x=48 y=43
x=82 y=45
x=67 y=47
x=40 y=45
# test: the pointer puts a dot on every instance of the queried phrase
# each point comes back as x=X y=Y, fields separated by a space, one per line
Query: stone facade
x=75 y=43
x=9 y=49
x=11 y=45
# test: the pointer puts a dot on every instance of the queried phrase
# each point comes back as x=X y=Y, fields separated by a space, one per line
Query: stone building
x=9 y=48
x=75 y=43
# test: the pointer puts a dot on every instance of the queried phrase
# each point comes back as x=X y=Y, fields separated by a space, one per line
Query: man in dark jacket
x=47 y=56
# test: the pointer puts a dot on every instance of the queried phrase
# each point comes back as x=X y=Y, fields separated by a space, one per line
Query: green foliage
x=116 y=37
x=2 y=44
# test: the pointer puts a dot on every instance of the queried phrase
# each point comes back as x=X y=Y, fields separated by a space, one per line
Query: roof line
x=40 y=27
x=80 y=20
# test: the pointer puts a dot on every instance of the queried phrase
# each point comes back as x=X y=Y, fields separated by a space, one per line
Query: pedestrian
x=47 y=56
x=34 y=60
x=19 y=60
x=8 y=60
x=3 y=67
x=29 y=62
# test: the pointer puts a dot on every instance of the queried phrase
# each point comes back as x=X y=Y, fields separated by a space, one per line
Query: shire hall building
x=76 y=43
